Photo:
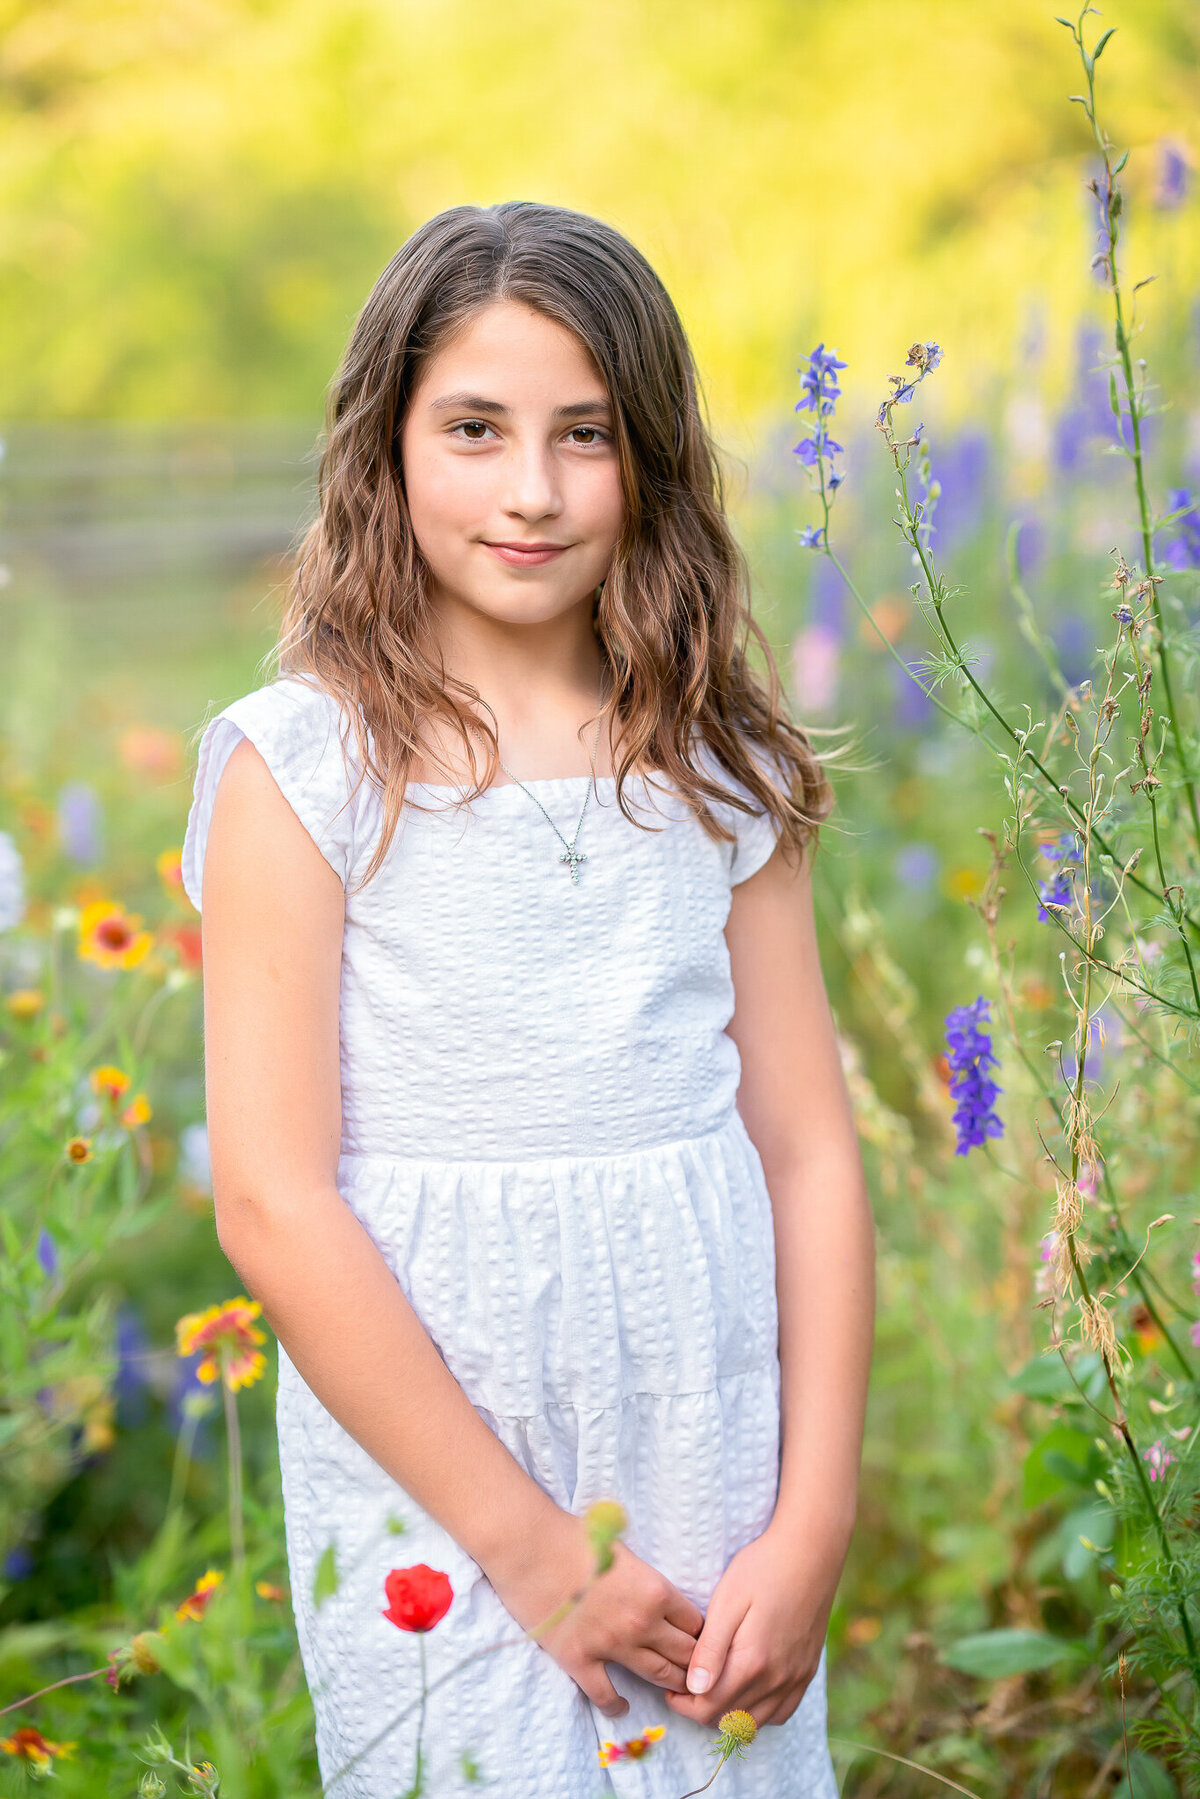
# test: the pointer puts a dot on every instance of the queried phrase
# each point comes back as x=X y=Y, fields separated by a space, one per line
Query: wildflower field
x=994 y=613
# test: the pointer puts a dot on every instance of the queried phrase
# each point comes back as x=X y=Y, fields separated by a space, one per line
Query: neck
x=542 y=682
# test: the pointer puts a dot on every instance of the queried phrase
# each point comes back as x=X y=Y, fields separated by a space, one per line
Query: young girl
x=527 y=1120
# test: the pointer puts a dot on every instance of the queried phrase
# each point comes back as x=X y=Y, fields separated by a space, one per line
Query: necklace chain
x=570 y=855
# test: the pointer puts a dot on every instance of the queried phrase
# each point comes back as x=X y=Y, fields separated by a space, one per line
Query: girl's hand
x=763 y=1631
x=630 y=1614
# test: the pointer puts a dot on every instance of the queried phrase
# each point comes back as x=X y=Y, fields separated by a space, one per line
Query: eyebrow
x=477 y=403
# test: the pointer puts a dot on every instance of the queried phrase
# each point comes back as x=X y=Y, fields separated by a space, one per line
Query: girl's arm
x=272 y=920
x=766 y=1622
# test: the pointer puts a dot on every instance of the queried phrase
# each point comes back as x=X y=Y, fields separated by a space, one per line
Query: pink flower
x=815 y=668
x=1159 y=1458
x=1196 y=1272
x=1196 y=1334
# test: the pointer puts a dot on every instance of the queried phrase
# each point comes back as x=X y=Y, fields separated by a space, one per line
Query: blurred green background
x=196 y=196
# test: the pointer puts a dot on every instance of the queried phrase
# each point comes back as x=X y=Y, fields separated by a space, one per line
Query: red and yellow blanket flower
x=169 y=864
x=225 y=1327
x=196 y=1603
x=633 y=1748
x=29 y=1745
x=109 y=1081
x=111 y=937
x=78 y=1149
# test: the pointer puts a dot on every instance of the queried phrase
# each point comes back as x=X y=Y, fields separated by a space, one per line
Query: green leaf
x=1099 y=50
x=1113 y=397
x=396 y=1526
x=1042 y=1378
x=993 y=1654
x=1059 y=1459
x=325 y=1580
x=1124 y=157
x=1147 y=1779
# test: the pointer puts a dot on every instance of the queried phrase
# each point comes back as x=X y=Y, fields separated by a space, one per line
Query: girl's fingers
x=676 y=1645
x=657 y=1669
x=680 y=1611
x=593 y=1678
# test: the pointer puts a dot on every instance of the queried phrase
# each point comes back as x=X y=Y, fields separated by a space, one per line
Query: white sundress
x=540 y=1134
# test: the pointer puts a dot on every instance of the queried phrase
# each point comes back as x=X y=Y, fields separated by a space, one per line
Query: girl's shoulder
x=755 y=831
x=299 y=729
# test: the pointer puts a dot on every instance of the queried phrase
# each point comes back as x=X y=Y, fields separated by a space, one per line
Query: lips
x=526 y=555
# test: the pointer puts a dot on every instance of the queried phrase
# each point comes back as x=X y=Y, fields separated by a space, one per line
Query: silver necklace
x=570 y=855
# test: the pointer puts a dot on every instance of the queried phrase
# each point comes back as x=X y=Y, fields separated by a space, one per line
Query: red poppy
x=418 y=1598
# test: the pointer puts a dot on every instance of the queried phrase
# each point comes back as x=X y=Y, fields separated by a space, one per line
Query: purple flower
x=1183 y=551
x=47 y=1254
x=904 y=393
x=820 y=390
x=810 y=537
x=1059 y=889
x=131 y=1376
x=17 y=1563
x=80 y=823
x=969 y=1053
x=916 y=865
x=1173 y=176
x=819 y=382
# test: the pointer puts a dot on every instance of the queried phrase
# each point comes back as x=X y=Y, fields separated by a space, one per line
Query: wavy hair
x=672 y=617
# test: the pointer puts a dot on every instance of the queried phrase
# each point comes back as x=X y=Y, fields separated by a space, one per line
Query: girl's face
x=510 y=468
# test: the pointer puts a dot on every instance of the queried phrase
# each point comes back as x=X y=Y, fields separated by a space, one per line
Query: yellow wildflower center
x=110 y=937
x=739 y=1727
x=79 y=1149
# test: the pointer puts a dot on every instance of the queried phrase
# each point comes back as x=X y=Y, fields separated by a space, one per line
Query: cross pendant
x=573 y=857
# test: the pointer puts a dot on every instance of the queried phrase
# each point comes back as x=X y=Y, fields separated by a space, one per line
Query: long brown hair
x=673 y=617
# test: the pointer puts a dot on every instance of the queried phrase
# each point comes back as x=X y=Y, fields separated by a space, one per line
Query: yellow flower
x=267 y=1590
x=79 y=1149
x=109 y=936
x=737 y=1728
x=605 y=1519
x=136 y=1112
x=25 y=1003
x=170 y=869
x=229 y=1326
x=109 y=1081
x=196 y=1603
x=30 y=1745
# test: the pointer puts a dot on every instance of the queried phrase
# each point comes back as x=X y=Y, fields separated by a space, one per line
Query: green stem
x=1112 y=202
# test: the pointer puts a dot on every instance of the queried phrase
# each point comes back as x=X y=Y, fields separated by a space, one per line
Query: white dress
x=540 y=1135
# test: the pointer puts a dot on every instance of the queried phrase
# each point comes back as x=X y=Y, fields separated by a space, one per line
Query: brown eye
x=474 y=429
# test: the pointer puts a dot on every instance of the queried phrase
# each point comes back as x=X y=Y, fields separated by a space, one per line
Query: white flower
x=193 y=1156
x=12 y=884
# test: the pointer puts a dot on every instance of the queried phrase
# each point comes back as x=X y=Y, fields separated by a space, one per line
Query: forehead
x=512 y=353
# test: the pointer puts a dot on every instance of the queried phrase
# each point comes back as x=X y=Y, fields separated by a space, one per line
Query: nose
x=533 y=490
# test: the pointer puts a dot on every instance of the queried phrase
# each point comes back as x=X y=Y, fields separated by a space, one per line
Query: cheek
x=602 y=502
x=444 y=493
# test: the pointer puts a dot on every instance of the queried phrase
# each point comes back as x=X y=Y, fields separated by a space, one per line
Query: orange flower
x=196 y=1603
x=187 y=943
x=109 y=936
x=29 y=1745
x=266 y=1590
x=229 y=1326
x=150 y=751
x=109 y=1081
x=633 y=1748
x=1146 y=1329
x=136 y=1112
x=79 y=1149
x=169 y=864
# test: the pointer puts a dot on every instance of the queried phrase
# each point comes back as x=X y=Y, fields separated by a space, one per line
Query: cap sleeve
x=295 y=727
x=756 y=833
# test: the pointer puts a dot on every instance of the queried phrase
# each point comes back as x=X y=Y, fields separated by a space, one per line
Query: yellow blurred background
x=197 y=194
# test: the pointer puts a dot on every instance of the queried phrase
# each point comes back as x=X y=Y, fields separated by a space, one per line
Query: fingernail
x=699 y=1680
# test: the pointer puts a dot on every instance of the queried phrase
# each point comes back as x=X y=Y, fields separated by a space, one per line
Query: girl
x=527 y=1120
